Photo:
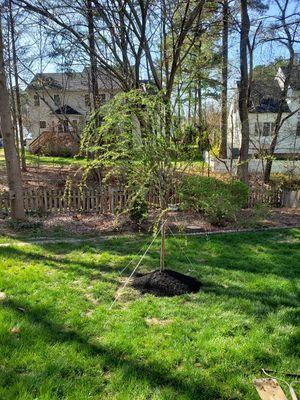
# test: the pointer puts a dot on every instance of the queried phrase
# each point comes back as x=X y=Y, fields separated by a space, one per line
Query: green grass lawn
x=194 y=167
x=34 y=160
x=60 y=340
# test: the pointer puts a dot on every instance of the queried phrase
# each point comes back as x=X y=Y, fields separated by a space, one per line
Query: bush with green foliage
x=133 y=145
x=138 y=211
x=220 y=201
x=285 y=181
x=20 y=226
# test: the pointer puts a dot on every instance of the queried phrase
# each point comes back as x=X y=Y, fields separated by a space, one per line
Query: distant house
x=58 y=103
x=264 y=100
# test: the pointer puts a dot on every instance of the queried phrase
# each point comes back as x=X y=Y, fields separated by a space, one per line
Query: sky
x=262 y=55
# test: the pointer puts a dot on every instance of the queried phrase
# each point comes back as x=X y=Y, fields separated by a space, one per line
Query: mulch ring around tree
x=165 y=283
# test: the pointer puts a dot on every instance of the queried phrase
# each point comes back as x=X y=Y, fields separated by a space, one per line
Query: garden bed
x=93 y=223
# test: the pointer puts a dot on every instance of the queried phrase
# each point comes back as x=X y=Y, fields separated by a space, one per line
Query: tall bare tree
x=225 y=31
x=125 y=34
x=11 y=158
x=92 y=53
x=242 y=170
x=17 y=86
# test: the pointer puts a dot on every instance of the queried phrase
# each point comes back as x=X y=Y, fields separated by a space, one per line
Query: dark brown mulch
x=166 y=283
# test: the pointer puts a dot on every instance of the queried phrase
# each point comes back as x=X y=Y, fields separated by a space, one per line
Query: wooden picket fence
x=108 y=200
x=59 y=200
x=265 y=195
x=104 y=200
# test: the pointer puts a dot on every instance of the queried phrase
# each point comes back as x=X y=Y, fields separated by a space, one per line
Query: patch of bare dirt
x=285 y=216
x=44 y=177
x=93 y=223
x=158 y=322
x=248 y=218
x=85 y=223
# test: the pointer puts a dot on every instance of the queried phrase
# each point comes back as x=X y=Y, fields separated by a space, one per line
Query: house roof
x=65 y=109
x=295 y=76
x=71 y=81
x=265 y=96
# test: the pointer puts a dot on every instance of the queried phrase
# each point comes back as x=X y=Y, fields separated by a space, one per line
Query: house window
x=66 y=125
x=235 y=152
x=43 y=124
x=36 y=100
x=74 y=125
x=272 y=127
x=266 y=129
x=257 y=129
x=57 y=100
x=298 y=129
x=87 y=101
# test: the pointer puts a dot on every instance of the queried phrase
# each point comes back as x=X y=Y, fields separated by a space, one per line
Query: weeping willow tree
x=131 y=146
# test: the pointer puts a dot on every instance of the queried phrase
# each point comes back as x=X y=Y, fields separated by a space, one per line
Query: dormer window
x=36 y=100
x=57 y=100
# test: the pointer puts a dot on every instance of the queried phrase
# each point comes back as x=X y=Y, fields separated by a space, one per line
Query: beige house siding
x=72 y=91
x=288 y=140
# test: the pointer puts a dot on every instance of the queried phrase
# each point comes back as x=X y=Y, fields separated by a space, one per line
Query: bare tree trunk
x=12 y=97
x=223 y=145
x=17 y=88
x=14 y=113
x=189 y=104
x=199 y=103
x=178 y=103
x=92 y=54
x=11 y=158
x=242 y=169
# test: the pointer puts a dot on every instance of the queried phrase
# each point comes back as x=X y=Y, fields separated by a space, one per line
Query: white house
x=60 y=102
x=264 y=100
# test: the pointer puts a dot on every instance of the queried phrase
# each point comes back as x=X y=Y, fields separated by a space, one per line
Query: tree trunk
x=223 y=145
x=11 y=158
x=199 y=103
x=242 y=170
x=17 y=88
x=93 y=57
x=12 y=97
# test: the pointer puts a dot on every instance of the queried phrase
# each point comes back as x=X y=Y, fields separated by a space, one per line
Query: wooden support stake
x=163 y=246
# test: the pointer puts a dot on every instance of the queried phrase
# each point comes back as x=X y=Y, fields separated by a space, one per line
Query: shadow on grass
x=258 y=253
x=157 y=375
x=229 y=260
x=270 y=299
